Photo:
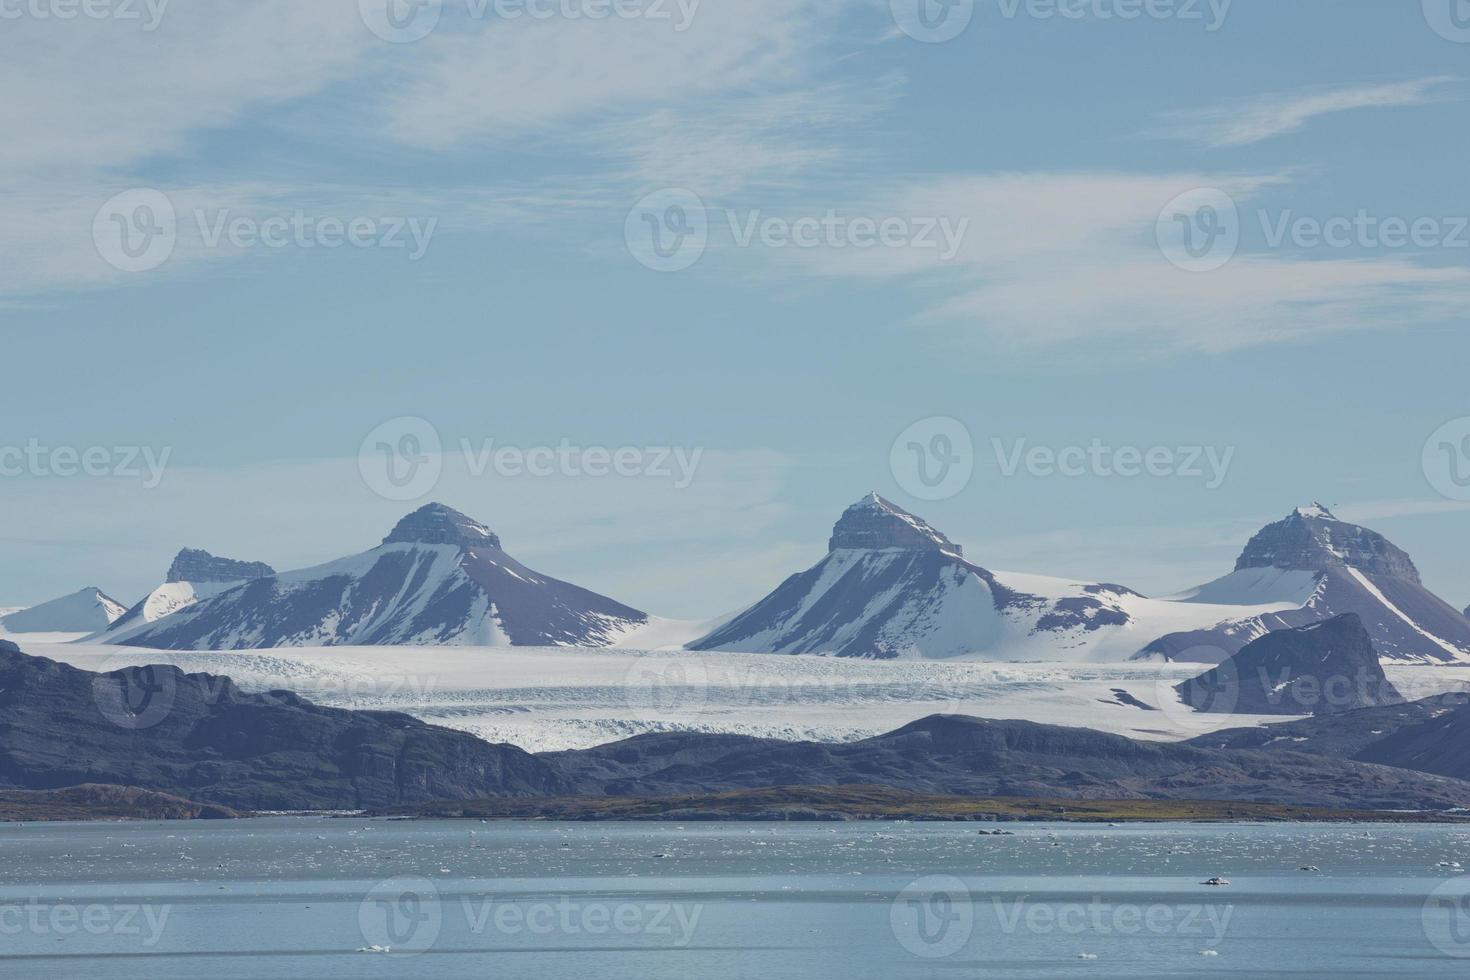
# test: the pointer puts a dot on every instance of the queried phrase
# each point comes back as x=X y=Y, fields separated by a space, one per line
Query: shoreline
x=89 y=804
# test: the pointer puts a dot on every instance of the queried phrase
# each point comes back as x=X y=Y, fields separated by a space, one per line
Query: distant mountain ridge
x=962 y=756
x=892 y=586
x=438 y=578
x=199 y=736
x=1431 y=736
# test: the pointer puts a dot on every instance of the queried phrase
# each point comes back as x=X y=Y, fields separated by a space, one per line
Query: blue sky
x=523 y=145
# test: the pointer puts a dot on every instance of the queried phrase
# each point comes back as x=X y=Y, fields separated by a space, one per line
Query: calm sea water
x=309 y=897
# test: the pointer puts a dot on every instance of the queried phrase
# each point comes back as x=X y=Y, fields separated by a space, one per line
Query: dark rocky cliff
x=200 y=737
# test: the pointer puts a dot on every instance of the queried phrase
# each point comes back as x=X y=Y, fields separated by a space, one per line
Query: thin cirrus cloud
x=94 y=94
x=1050 y=260
x=616 y=100
x=1246 y=122
x=504 y=81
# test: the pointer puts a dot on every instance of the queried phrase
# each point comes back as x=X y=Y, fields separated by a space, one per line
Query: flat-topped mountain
x=194 y=565
x=1314 y=567
x=438 y=578
x=194 y=575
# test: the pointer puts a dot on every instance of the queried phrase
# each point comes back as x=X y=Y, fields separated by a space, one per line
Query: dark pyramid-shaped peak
x=193 y=565
x=874 y=524
x=1311 y=539
x=1326 y=668
x=437 y=524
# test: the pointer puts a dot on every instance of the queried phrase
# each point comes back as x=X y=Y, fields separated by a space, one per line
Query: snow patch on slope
x=1377 y=593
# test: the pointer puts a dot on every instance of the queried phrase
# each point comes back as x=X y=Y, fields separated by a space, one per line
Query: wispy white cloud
x=1244 y=122
x=615 y=105
x=84 y=94
x=1065 y=259
x=511 y=80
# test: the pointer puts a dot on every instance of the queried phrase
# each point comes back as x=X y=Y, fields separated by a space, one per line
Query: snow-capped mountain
x=194 y=575
x=1321 y=567
x=893 y=586
x=81 y=612
x=439 y=578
